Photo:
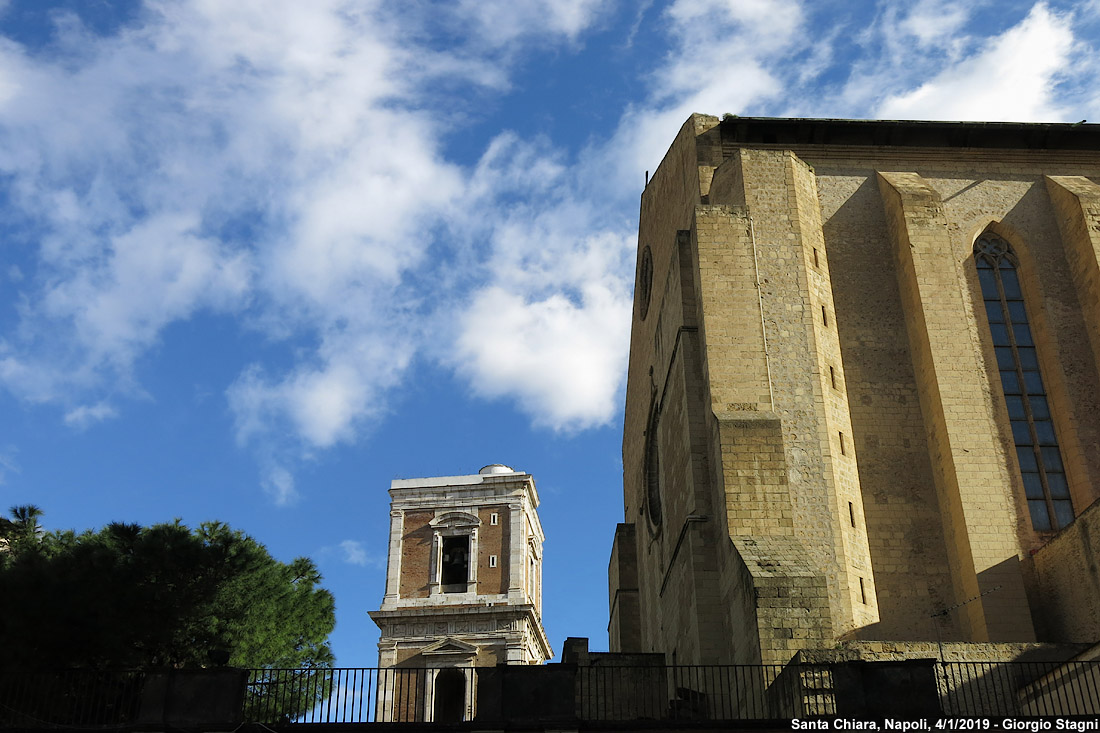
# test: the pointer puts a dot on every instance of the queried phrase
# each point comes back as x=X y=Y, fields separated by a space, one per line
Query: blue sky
x=260 y=257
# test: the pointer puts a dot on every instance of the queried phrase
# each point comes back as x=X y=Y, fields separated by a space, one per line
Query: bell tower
x=464 y=576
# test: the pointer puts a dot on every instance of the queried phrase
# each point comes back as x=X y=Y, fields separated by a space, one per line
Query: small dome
x=495 y=468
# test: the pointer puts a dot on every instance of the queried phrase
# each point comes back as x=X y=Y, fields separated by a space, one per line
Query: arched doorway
x=450 y=696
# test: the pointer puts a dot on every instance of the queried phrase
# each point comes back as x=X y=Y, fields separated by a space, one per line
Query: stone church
x=863 y=401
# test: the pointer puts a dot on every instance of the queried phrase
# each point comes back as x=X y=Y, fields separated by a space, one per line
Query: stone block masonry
x=817 y=447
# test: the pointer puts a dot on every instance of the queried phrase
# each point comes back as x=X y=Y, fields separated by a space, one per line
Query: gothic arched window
x=1041 y=466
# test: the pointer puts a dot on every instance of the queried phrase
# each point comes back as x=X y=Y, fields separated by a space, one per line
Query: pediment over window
x=449 y=647
x=455 y=520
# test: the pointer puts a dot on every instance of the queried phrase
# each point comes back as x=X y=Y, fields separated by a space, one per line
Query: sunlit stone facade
x=863 y=399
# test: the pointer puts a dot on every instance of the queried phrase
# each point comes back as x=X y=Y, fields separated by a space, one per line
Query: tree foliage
x=128 y=596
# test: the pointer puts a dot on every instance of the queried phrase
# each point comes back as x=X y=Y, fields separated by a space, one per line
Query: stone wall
x=815 y=374
x=1068 y=570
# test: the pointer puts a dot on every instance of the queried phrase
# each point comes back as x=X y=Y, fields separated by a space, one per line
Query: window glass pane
x=1033 y=486
x=1015 y=407
x=1033 y=383
x=1059 y=489
x=1005 y=360
x=1039 y=518
x=1052 y=459
x=1022 y=334
x=1020 y=432
x=1064 y=511
x=1045 y=430
x=989 y=284
x=1010 y=382
x=983 y=263
x=1026 y=455
x=1005 y=264
x=1000 y=334
x=1016 y=311
x=1011 y=285
x=1039 y=408
x=1028 y=359
x=994 y=312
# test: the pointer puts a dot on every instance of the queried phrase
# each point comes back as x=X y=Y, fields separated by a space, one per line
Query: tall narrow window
x=455 y=571
x=1028 y=410
x=653 y=466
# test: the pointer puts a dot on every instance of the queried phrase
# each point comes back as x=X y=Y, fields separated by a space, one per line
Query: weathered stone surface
x=815 y=385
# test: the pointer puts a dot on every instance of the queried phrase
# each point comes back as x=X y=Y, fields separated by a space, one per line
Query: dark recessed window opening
x=862 y=592
x=456 y=564
x=645 y=281
x=653 y=467
x=1041 y=467
x=842 y=450
x=832 y=377
x=815 y=258
x=851 y=514
x=824 y=316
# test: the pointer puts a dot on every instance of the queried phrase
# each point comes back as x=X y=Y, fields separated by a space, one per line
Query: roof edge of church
x=910 y=133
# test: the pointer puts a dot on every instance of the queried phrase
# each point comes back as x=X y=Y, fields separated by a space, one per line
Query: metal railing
x=555 y=691
x=979 y=689
x=360 y=695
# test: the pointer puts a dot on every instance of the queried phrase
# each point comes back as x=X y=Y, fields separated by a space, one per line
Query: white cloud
x=550 y=326
x=85 y=415
x=500 y=22
x=563 y=360
x=158 y=272
x=322 y=403
x=1012 y=78
x=8 y=464
x=278 y=482
x=356 y=554
x=933 y=21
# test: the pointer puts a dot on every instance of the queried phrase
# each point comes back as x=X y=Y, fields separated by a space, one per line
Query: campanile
x=464 y=575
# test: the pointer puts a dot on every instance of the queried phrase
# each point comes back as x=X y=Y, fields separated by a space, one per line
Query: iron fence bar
x=1090 y=676
x=1060 y=672
x=1004 y=682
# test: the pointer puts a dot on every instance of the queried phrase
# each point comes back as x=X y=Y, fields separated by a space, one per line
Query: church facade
x=863 y=400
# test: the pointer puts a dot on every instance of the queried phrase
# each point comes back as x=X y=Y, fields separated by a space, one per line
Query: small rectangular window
x=492 y=561
x=824 y=316
x=843 y=452
x=862 y=592
x=494 y=518
x=816 y=264
x=851 y=514
x=832 y=377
